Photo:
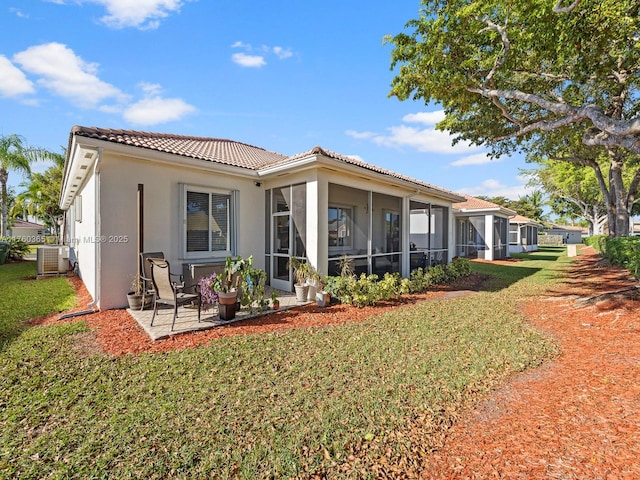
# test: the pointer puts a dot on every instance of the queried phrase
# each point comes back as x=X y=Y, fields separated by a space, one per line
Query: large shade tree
x=12 y=157
x=573 y=191
x=509 y=73
x=609 y=180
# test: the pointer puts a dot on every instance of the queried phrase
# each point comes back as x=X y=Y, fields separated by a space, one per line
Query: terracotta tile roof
x=215 y=150
x=359 y=163
x=523 y=219
x=229 y=152
x=473 y=203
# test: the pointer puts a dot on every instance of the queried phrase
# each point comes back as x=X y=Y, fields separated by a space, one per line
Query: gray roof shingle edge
x=230 y=152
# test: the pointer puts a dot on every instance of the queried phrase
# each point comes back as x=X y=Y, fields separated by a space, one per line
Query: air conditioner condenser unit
x=52 y=260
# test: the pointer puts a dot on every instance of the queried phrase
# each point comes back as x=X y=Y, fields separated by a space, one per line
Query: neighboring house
x=29 y=232
x=482 y=229
x=523 y=234
x=203 y=199
x=569 y=234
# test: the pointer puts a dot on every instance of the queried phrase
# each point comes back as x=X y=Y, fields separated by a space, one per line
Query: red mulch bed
x=117 y=333
x=576 y=417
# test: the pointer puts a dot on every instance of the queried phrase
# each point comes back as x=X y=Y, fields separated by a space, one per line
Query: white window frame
x=232 y=228
x=349 y=247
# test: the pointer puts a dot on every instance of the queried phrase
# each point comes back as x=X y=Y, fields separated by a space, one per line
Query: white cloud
x=477 y=159
x=244 y=60
x=150 y=88
x=18 y=13
x=142 y=14
x=282 y=53
x=66 y=74
x=13 y=81
x=494 y=188
x=428 y=140
x=428 y=118
x=248 y=58
x=155 y=110
x=360 y=135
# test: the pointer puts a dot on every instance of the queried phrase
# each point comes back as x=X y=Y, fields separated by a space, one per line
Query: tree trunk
x=618 y=198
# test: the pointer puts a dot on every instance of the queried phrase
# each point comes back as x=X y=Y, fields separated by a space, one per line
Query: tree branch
x=602 y=139
x=559 y=9
x=617 y=130
x=633 y=190
x=506 y=46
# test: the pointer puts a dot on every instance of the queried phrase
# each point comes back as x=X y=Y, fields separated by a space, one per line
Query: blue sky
x=282 y=75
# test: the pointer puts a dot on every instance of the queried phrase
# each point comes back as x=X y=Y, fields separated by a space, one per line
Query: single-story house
x=482 y=229
x=28 y=232
x=570 y=234
x=523 y=234
x=200 y=200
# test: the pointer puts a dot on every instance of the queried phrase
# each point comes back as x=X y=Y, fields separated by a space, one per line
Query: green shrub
x=438 y=274
x=621 y=251
x=419 y=281
x=596 y=241
x=370 y=289
x=460 y=267
x=18 y=249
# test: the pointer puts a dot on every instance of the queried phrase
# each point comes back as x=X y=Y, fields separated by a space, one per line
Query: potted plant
x=253 y=288
x=300 y=274
x=275 y=301
x=323 y=297
x=313 y=280
x=134 y=297
x=227 y=284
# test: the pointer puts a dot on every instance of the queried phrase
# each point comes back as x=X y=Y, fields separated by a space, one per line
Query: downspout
x=97 y=229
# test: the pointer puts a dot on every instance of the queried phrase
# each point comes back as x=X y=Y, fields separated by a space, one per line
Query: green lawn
x=284 y=405
x=22 y=297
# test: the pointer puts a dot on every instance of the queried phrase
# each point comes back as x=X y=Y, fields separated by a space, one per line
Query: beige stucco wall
x=83 y=234
x=163 y=218
x=109 y=262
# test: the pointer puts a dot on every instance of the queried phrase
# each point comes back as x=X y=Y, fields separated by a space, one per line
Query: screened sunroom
x=364 y=227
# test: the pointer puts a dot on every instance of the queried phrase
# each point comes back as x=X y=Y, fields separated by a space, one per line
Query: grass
x=23 y=298
x=284 y=405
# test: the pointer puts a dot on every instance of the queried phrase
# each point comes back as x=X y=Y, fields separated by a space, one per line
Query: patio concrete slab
x=187 y=319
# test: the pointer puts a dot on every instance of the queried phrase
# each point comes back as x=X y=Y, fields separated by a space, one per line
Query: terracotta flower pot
x=227 y=298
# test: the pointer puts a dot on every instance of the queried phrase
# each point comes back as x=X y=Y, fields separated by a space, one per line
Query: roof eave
x=319 y=159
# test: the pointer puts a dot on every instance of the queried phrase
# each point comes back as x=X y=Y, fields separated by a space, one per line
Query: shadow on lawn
x=498 y=277
x=504 y=273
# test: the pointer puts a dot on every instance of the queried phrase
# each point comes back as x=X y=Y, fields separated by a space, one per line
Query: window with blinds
x=208 y=224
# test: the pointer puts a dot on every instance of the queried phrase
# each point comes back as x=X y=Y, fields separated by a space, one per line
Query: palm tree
x=12 y=157
x=42 y=192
